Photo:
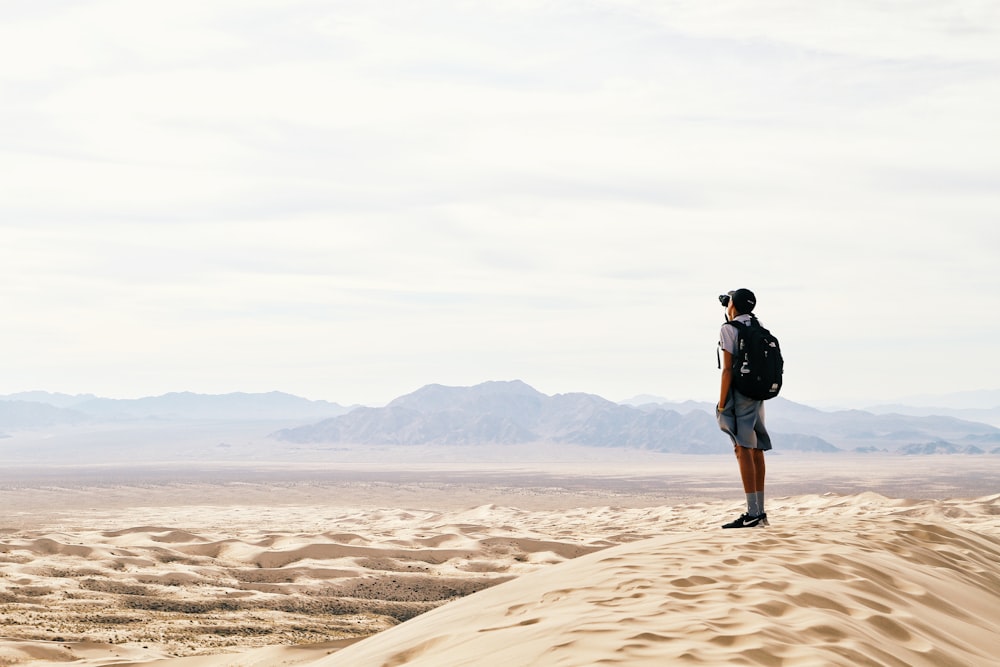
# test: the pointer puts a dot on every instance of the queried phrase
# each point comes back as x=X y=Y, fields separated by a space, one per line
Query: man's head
x=739 y=302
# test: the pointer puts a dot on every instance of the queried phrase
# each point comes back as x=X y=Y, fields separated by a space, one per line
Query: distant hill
x=501 y=413
x=49 y=398
x=989 y=416
x=866 y=431
x=45 y=409
x=971 y=406
x=27 y=414
x=942 y=447
x=980 y=399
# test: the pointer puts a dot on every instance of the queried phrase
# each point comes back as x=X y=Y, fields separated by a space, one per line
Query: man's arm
x=727 y=378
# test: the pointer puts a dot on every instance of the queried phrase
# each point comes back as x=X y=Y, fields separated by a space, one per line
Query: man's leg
x=748 y=459
x=759 y=468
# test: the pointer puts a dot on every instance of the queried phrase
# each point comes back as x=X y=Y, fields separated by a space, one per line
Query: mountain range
x=44 y=409
x=494 y=414
x=501 y=413
x=505 y=413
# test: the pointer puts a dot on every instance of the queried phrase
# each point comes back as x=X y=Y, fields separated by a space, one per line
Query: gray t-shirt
x=728 y=334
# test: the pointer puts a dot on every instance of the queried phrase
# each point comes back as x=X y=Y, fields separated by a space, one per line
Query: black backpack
x=757 y=364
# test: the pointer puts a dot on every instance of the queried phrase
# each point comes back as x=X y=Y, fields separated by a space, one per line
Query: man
x=741 y=417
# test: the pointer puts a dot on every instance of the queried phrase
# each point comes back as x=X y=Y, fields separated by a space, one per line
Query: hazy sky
x=349 y=200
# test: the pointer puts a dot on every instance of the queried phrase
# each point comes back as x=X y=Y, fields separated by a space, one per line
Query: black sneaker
x=763 y=520
x=746 y=521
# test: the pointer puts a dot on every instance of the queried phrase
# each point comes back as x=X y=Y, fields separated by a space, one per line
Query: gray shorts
x=743 y=421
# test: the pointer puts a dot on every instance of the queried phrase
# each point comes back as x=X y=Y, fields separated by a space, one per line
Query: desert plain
x=564 y=558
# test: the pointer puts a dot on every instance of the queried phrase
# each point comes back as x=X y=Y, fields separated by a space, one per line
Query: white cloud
x=347 y=200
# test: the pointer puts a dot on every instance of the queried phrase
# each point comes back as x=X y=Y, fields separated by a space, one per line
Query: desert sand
x=867 y=562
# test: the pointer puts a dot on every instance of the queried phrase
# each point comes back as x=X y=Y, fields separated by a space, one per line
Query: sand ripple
x=877 y=581
x=228 y=578
x=882 y=583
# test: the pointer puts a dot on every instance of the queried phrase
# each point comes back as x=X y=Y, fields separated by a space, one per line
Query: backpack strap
x=718 y=357
x=740 y=326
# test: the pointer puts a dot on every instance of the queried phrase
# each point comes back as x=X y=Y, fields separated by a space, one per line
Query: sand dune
x=250 y=577
x=881 y=583
x=836 y=580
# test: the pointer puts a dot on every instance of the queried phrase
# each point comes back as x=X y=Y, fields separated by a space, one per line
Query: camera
x=724 y=300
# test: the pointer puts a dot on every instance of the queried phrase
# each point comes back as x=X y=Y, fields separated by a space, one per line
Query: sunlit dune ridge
x=858 y=580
